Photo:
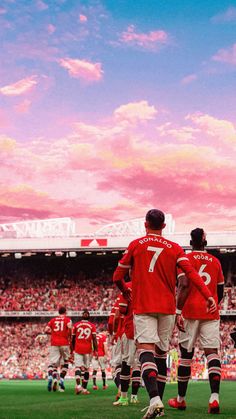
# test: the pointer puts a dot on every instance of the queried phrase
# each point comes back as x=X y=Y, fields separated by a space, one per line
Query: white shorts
x=154 y=328
x=129 y=351
x=99 y=363
x=82 y=360
x=58 y=354
x=116 y=358
x=206 y=331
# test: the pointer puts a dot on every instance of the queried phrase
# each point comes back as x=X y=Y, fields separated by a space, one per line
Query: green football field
x=30 y=399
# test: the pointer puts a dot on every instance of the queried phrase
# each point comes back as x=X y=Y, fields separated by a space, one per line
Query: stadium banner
x=97 y=313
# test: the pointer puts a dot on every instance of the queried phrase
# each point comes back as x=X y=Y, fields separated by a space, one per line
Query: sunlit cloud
x=227 y=55
x=82 y=69
x=21 y=87
x=150 y=40
x=228 y=15
x=135 y=111
x=83 y=18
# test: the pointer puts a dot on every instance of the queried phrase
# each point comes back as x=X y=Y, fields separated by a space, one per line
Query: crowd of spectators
x=23 y=291
x=24 y=356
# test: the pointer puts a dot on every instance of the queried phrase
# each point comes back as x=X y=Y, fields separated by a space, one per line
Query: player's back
x=154 y=272
x=209 y=268
x=83 y=331
x=60 y=330
x=101 y=340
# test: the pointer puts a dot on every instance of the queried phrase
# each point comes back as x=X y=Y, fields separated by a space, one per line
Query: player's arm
x=69 y=327
x=95 y=342
x=123 y=305
x=185 y=265
x=48 y=329
x=182 y=294
x=124 y=265
x=73 y=338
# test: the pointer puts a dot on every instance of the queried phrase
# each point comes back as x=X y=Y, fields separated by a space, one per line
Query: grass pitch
x=30 y=399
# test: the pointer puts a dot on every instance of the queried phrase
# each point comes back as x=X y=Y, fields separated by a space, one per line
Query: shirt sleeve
x=124 y=264
x=123 y=305
x=184 y=264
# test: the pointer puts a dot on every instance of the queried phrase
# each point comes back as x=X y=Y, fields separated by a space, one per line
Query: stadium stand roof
x=60 y=235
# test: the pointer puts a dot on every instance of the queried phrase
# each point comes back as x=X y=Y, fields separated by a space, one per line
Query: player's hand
x=127 y=293
x=211 y=305
x=179 y=321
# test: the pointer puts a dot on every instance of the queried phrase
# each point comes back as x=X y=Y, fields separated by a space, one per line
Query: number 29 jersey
x=60 y=330
x=209 y=268
x=84 y=332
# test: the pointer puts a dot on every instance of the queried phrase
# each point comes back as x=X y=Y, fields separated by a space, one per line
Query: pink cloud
x=220 y=129
x=227 y=55
x=41 y=5
x=21 y=87
x=23 y=107
x=83 y=18
x=135 y=111
x=189 y=79
x=150 y=40
x=51 y=28
x=82 y=69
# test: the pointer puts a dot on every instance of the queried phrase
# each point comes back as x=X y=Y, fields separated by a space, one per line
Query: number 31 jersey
x=209 y=268
x=60 y=330
x=84 y=332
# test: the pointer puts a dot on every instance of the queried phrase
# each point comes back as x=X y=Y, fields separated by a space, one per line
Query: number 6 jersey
x=84 y=331
x=209 y=268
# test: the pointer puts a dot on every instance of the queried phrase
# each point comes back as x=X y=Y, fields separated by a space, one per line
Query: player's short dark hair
x=62 y=310
x=197 y=236
x=155 y=219
x=85 y=313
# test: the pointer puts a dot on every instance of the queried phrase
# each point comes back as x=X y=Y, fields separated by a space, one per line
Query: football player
x=60 y=329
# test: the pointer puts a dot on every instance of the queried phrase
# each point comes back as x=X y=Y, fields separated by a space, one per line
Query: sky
x=110 y=108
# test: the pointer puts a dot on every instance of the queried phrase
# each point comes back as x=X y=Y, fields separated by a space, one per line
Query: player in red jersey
x=154 y=261
x=83 y=343
x=129 y=358
x=198 y=322
x=60 y=329
x=115 y=328
x=99 y=360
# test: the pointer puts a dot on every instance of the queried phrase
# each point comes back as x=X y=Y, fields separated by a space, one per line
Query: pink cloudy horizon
x=106 y=113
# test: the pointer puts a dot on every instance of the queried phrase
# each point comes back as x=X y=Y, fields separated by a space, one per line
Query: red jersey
x=84 y=332
x=127 y=306
x=154 y=261
x=209 y=268
x=119 y=317
x=111 y=320
x=101 y=340
x=60 y=330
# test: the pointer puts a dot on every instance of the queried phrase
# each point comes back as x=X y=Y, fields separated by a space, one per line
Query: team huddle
x=142 y=320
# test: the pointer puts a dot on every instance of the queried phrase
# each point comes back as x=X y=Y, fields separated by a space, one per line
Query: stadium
x=47 y=263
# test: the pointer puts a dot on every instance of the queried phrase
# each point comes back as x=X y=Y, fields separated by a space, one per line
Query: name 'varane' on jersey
x=154 y=261
x=209 y=268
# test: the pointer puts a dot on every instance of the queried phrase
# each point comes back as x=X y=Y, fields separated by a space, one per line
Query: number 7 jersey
x=153 y=261
x=84 y=332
